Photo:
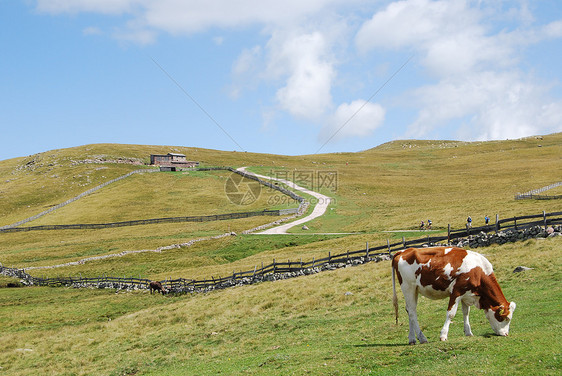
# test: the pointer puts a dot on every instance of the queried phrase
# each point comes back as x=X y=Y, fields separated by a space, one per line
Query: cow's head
x=500 y=318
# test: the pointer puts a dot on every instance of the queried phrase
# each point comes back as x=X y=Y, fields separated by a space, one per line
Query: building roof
x=168 y=155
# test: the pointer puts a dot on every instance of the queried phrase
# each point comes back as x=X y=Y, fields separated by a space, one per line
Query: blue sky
x=287 y=77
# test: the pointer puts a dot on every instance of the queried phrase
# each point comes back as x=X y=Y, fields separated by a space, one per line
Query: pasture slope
x=333 y=323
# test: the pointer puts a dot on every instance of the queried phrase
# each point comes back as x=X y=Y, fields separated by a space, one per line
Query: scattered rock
x=305 y=227
x=521 y=269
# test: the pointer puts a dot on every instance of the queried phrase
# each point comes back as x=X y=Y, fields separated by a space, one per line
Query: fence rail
x=538 y=197
x=89 y=191
x=206 y=218
x=534 y=194
x=276 y=268
x=202 y=218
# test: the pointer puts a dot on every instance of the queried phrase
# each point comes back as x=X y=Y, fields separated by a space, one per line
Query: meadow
x=333 y=323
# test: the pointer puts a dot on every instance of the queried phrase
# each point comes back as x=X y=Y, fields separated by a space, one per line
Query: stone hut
x=178 y=161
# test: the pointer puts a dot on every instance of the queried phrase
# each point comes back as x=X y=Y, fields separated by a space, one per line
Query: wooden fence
x=89 y=191
x=534 y=194
x=202 y=218
x=277 y=268
x=538 y=197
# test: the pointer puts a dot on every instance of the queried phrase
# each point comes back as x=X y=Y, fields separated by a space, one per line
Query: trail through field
x=322 y=203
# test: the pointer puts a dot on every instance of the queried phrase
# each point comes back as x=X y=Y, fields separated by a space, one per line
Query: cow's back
x=434 y=270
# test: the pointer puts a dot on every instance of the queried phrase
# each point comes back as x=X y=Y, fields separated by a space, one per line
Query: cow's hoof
x=443 y=339
x=412 y=343
x=423 y=341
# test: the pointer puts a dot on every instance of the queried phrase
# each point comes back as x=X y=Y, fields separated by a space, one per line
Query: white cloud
x=553 y=30
x=245 y=70
x=479 y=84
x=247 y=61
x=447 y=34
x=304 y=61
x=95 y=6
x=136 y=34
x=190 y=16
x=92 y=30
x=475 y=65
x=491 y=105
x=298 y=56
x=355 y=119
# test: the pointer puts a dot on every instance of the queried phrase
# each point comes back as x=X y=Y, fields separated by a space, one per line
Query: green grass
x=40 y=248
x=306 y=325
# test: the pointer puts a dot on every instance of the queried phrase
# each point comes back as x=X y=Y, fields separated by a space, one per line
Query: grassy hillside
x=300 y=326
x=337 y=323
x=32 y=184
x=391 y=187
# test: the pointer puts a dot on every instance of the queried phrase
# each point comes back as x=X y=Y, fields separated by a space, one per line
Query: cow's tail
x=394 y=297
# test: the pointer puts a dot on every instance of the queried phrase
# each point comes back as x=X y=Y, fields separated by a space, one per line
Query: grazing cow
x=447 y=272
x=157 y=286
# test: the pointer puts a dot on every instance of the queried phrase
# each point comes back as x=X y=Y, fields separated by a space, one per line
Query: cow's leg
x=465 y=312
x=411 y=299
x=451 y=312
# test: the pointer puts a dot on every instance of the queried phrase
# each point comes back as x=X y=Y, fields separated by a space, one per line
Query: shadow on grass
x=367 y=345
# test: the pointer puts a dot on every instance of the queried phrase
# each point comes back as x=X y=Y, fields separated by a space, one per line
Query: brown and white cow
x=448 y=272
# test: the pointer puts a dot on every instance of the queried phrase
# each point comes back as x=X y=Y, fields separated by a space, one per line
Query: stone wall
x=508 y=236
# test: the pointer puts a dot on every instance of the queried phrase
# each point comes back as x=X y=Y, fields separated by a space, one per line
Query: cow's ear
x=499 y=313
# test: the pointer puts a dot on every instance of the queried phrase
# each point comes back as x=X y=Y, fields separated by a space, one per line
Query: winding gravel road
x=322 y=203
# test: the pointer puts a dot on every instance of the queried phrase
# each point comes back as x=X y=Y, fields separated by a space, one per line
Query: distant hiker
x=469 y=222
x=429 y=224
x=421 y=225
x=487 y=220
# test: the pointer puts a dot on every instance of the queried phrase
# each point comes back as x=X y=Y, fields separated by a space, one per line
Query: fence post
x=515 y=222
x=388 y=245
x=367 y=251
x=329 y=257
x=273 y=266
x=497 y=224
x=544 y=216
x=449 y=234
x=403 y=242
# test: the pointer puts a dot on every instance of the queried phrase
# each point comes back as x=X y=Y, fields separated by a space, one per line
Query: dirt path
x=322 y=203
